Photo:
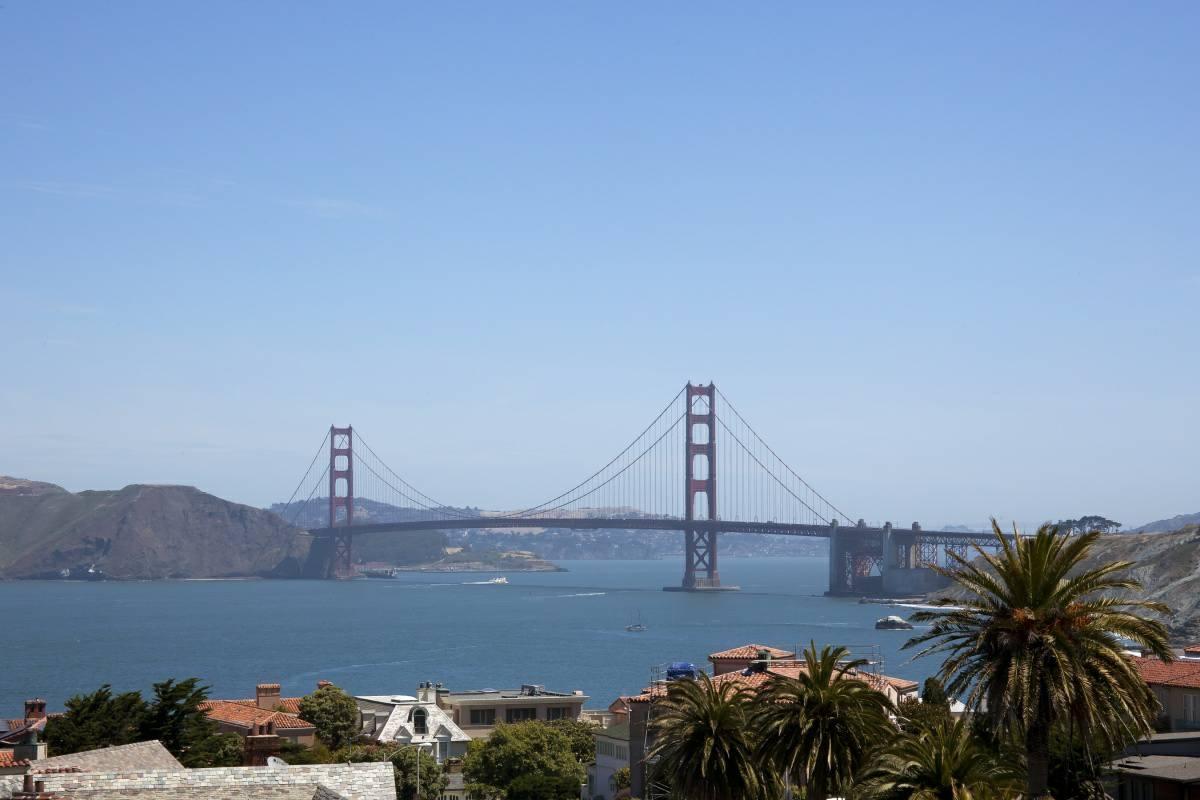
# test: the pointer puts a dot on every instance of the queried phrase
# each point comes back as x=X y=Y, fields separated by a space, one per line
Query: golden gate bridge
x=666 y=479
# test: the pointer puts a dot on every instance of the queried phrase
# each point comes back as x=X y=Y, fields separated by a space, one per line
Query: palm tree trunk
x=1037 y=761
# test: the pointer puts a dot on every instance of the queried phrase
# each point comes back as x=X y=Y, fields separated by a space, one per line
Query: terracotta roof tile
x=750 y=651
x=7 y=760
x=756 y=679
x=1185 y=674
x=247 y=715
x=1192 y=649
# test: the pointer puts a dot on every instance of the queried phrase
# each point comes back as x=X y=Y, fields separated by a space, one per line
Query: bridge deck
x=650 y=524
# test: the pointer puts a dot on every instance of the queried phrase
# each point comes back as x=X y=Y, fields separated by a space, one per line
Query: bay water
x=565 y=630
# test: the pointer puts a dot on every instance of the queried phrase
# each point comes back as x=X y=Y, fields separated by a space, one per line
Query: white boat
x=893 y=623
x=499 y=580
x=636 y=626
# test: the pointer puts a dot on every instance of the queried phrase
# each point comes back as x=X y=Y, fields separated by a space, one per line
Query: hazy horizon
x=943 y=259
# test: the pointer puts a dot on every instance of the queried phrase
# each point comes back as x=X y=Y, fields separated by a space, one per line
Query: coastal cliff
x=140 y=532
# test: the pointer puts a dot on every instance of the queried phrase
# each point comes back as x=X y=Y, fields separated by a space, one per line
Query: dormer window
x=418 y=721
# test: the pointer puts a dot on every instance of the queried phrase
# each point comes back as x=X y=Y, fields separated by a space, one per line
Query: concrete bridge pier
x=837 y=561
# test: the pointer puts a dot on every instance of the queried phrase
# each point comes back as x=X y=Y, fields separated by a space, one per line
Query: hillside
x=140 y=532
x=419 y=547
x=1175 y=523
x=1168 y=565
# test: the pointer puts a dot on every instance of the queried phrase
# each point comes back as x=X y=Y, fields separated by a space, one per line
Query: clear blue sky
x=945 y=258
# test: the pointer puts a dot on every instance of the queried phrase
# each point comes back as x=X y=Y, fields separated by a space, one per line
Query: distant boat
x=499 y=580
x=378 y=572
x=636 y=626
x=893 y=623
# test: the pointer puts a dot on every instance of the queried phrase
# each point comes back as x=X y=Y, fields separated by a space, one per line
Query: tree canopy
x=334 y=714
x=1086 y=524
x=1036 y=640
x=495 y=764
x=174 y=717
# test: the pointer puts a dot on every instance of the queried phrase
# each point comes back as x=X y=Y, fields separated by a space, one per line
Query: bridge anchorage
x=639 y=490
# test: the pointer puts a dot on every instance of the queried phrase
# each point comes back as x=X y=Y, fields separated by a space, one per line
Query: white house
x=406 y=720
x=612 y=754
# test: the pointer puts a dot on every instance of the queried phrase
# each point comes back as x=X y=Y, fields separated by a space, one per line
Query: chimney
x=35 y=709
x=266 y=696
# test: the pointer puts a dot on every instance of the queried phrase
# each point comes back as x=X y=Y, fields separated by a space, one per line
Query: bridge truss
x=666 y=479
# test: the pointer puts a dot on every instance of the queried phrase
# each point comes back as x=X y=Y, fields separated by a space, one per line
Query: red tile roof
x=755 y=679
x=750 y=651
x=7 y=760
x=1192 y=649
x=247 y=715
x=1185 y=674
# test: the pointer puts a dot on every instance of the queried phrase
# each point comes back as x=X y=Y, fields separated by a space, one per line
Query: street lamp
x=419 y=746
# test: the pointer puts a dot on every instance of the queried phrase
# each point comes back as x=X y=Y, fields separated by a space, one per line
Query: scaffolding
x=654 y=790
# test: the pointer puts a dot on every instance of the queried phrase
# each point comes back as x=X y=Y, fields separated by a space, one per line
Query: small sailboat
x=636 y=626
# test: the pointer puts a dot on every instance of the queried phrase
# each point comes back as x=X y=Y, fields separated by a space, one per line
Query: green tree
x=1034 y=642
x=525 y=748
x=334 y=714
x=175 y=718
x=940 y=763
x=433 y=778
x=704 y=741
x=543 y=787
x=99 y=719
x=404 y=764
x=621 y=780
x=817 y=728
x=582 y=737
x=932 y=710
x=218 y=750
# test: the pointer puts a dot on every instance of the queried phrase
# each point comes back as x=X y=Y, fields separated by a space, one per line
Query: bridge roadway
x=651 y=524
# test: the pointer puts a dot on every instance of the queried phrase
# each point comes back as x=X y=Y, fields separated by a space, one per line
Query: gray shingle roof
x=372 y=781
x=122 y=758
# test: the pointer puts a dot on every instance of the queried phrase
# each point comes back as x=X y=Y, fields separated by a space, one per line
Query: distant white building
x=406 y=720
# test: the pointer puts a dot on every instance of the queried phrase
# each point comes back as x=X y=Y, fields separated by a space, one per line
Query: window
x=483 y=716
x=559 y=712
x=418 y=720
x=1191 y=709
x=520 y=714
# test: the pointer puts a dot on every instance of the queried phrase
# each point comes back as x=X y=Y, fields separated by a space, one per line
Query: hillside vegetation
x=140 y=532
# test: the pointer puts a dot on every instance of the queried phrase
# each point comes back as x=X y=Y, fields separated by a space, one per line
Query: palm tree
x=704 y=741
x=1034 y=643
x=818 y=727
x=944 y=762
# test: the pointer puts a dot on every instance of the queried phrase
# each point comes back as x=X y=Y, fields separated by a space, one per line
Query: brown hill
x=1168 y=566
x=140 y=532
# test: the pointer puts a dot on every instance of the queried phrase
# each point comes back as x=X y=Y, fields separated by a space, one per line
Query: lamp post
x=419 y=747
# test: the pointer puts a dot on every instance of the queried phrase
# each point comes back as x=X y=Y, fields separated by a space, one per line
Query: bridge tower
x=341 y=500
x=700 y=571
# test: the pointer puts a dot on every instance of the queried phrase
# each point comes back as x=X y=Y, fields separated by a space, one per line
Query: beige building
x=478 y=712
x=1177 y=687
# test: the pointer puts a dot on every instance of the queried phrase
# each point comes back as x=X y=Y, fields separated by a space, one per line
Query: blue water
x=565 y=630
